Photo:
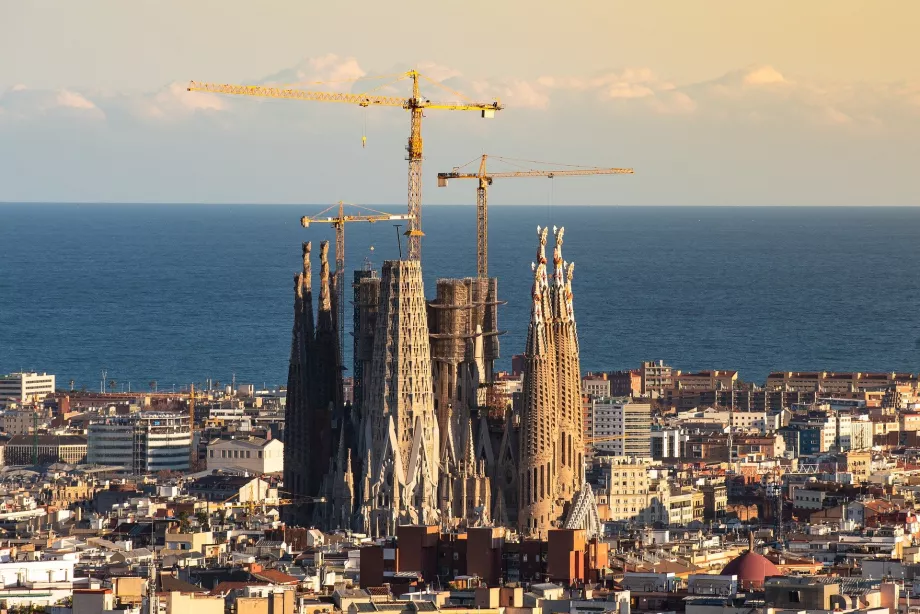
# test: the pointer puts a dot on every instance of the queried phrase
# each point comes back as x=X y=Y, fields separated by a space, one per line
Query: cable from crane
x=364 y=133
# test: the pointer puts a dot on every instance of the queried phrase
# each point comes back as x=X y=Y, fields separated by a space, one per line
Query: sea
x=180 y=294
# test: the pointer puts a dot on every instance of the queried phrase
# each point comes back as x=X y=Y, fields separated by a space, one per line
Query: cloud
x=759 y=94
x=763 y=75
x=66 y=98
x=21 y=102
x=329 y=68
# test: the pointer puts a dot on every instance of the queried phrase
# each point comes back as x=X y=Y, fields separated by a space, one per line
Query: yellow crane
x=338 y=223
x=416 y=104
x=485 y=180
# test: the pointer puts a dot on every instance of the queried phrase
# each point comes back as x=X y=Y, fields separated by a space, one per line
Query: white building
x=144 y=442
x=252 y=454
x=25 y=387
x=36 y=582
x=621 y=428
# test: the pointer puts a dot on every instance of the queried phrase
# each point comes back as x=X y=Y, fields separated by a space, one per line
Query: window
x=795 y=597
x=260 y=453
x=248 y=453
x=211 y=453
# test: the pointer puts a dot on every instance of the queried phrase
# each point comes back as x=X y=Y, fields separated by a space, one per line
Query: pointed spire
x=325 y=298
x=570 y=309
x=559 y=310
x=340 y=453
x=469 y=455
x=307 y=293
x=307 y=273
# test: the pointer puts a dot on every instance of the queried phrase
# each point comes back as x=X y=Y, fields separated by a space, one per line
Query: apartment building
x=596 y=385
x=837 y=383
x=252 y=454
x=705 y=380
x=144 y=442
x=627 y=493
x=621 y=427
x=656 y=377
x=25 y=387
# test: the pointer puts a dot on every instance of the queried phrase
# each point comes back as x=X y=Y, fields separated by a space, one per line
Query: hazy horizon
x=738 y=104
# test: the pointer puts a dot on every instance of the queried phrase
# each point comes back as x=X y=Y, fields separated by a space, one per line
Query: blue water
x=180 y=293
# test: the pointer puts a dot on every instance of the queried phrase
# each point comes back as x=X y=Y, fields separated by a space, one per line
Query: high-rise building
x=400 y=470
x=25 y=387
x=144 y=442
x=622 y=428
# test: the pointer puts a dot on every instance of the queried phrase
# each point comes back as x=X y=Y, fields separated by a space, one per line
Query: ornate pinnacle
x=324 y=298
x=541 y=250
x=298 y=285
x=307 y=269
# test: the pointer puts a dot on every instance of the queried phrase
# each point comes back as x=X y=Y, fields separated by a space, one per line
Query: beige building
x=253 y=454
x=189 y=542
x=836 y=383
x=276 y=601
x=705 y=380
x=20 y=422
x=860 y=465
x=684 y=506
x=656 y=378
x=192 y=603
x=596 y=385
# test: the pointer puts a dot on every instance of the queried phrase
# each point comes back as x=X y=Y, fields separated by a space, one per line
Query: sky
x=714 y=102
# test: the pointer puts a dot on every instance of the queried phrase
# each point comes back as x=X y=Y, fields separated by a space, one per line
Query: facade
x=667 y=443
x=837 y=383
x=596 y=385
x=622 y=427
x=20 y=422
x=625 y=383
x=627 y=495
x=252 y=454
x=25 y=387
x=705 y=380
x=462 y=327
x=144 y=442
x=45 y=450
x=656 y=378
x=400 y=484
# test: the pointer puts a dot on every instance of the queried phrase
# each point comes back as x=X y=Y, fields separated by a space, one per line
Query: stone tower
x=401 y=472
x=299 y=395
x=570 y=444
x=537 y=468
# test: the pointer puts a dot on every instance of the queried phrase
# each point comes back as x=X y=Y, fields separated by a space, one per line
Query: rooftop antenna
x=398 y=239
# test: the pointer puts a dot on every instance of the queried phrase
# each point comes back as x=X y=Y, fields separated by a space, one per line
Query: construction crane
x=338 y=223
x=416 y=104
x=485 y=180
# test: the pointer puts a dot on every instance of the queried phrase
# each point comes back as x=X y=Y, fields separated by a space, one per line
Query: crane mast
x=482 y=196
x=416 y=105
